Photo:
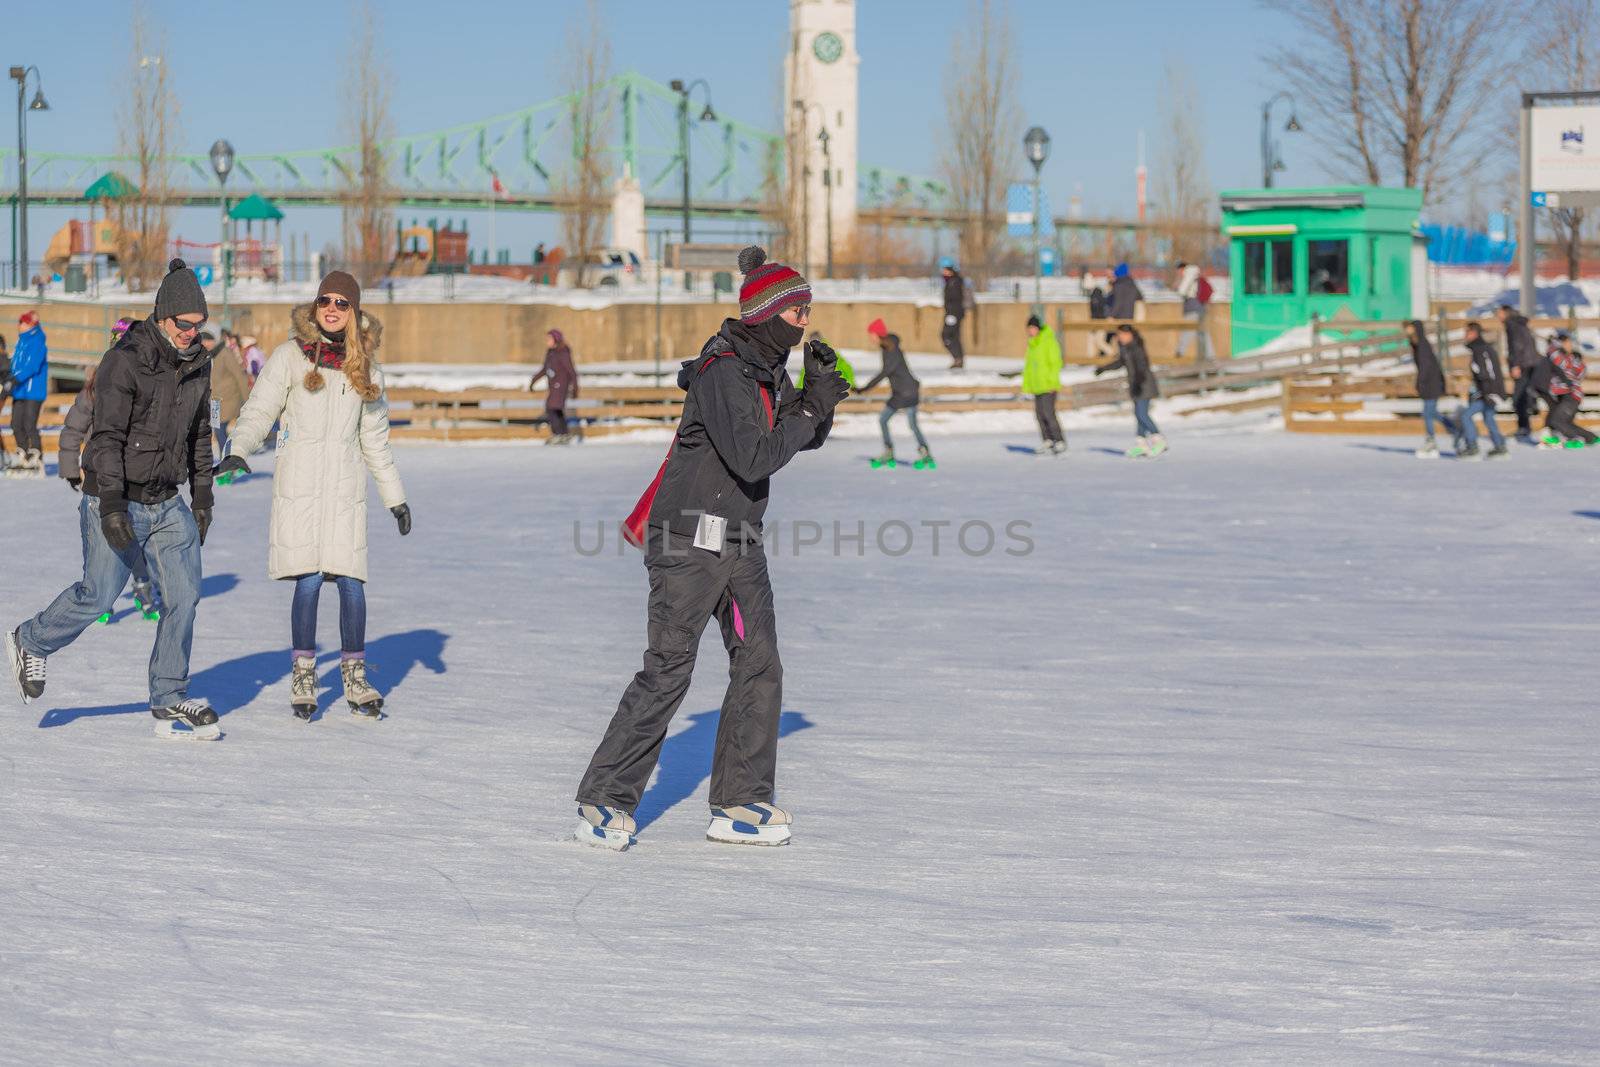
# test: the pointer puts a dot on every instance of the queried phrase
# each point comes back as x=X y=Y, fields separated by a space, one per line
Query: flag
x=499 y=188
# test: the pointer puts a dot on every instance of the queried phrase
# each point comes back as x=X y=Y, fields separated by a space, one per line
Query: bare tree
x=368 y=204
x=982 y=130
x=148 y=131
x=1401 y=96
x=1566 y=55
x=1183 y=189
x=583 y=189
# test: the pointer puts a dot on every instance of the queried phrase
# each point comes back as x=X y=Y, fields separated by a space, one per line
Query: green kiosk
x=1341 y=252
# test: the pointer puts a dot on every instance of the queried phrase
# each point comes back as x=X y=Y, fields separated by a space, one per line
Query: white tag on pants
x=708 y=534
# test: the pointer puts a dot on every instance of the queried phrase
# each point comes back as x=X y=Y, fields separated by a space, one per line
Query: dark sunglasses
x=185 y=326
x=801 y=311
x=337 y=301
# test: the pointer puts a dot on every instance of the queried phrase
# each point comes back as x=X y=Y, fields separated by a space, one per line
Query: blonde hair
x=360 y=348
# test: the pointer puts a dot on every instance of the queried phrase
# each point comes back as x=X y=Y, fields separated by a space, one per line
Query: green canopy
x=111 y=185
x=254 y=207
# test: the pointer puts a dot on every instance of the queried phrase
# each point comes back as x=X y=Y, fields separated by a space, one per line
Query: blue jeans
x=1485 y=408
x=1430 y=415
x=1141 y=417
x=164 y=535
x=911 y=416
x=352 y=614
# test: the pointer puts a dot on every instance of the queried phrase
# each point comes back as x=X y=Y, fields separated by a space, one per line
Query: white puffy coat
x=328 y=442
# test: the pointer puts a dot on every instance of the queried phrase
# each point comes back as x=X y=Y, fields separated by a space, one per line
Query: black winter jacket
x=1487 y=380
x=730 y=441
x=904 y=390
x=152 y=422
x=1521 y=349
x=955 y=295
x=1132 y=357
x=1124 y=297
x=1430 y=378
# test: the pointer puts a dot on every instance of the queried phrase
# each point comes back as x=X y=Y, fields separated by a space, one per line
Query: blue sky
x=267 y=77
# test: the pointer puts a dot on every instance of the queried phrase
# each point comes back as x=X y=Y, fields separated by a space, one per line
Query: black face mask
x=782 y=335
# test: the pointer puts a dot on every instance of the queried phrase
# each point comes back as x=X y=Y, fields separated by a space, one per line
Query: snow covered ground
x=1278 y=749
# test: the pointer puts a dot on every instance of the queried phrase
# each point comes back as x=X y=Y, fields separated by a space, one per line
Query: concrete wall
x=495 y=333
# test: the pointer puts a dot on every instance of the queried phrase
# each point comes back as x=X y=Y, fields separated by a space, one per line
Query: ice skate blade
x=586 y=833
x=367 y=713
x=172 y=730
x=304 y=712
x=734 y=832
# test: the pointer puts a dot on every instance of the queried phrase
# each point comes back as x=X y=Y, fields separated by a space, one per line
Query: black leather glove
x=230 y=465
x=76 y=483
x=402 y=515
x=822 y=393
x=202 y=519
x=819 y=358
x=118 y=530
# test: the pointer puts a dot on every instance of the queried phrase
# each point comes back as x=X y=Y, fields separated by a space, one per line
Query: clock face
x=828 y=47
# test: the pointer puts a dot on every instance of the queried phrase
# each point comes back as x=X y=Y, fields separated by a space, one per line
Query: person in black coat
x=1488 y=386
x=150 y=435
x=700 y=524
x=955 y=309
x=1529 y=369
x=1142 y=389
x=905 y=392
x=1430 y=383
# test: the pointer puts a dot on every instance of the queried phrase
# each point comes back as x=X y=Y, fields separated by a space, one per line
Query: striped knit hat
x=768 y=287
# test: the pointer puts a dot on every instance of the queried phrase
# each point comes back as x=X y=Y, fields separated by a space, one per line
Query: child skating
x=905 y=392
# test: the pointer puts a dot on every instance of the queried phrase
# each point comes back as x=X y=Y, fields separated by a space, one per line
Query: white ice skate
x=27 y=670
x=1429 y=449
x=187 y=720
x=749 y=824
x=604 y=827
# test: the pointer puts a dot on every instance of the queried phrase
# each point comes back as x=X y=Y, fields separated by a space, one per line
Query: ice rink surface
x=1277 y=749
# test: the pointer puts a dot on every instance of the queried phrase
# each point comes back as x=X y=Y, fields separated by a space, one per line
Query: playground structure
x=430 y=249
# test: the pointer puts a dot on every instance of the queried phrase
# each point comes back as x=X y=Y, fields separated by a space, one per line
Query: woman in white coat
x=325 y=387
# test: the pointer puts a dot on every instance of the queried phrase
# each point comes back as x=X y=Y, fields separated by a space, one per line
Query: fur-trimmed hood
x=361 y=349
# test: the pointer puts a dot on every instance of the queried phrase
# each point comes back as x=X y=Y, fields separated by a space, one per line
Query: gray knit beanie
x=180 y=293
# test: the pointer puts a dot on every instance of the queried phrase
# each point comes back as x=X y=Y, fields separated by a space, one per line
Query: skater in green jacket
x=1041 y=379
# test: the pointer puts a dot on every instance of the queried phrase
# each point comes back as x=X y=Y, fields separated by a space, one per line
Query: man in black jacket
x=1528 y=369
x=150 y=434
x=700 y=527
x=955 y=309
x=1488 y=386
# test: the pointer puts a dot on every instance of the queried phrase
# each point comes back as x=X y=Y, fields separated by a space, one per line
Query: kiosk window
x=1269 y=268
x=1328 y=267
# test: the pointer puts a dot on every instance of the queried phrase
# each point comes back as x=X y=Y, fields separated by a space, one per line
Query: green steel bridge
x=528 y=152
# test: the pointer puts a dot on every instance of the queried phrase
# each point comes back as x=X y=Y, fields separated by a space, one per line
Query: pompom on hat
x=768 y=287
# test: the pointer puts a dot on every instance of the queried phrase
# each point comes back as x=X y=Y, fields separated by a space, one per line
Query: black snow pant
x=1525 y=401
x=1561 y=420
x=1044 y=409
x=557 y=418
x=688 y=586
x=951 y=336
x=25 y=424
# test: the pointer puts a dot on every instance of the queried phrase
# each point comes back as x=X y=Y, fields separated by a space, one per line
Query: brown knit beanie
x=341 y=284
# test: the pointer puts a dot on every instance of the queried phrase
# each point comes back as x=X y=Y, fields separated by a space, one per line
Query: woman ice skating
x=700 y=526
x=904 y=394
x=1142 y=389
x=149 y=436
x=325 y=386
x=1041 y=379
x=563 y=386
x=1430 y=385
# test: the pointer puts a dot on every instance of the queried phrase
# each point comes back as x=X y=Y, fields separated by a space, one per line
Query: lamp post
x=1037 y=145
x=1270 y=160
x=707 y=115
x=19 y=232
x=222 y=164
x=827 y=188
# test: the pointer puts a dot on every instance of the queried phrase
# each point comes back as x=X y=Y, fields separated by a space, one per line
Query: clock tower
x=820 y=72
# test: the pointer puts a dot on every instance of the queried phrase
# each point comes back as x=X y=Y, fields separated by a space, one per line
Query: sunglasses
x=186 y=326
x=337 y=301
x=801 y=311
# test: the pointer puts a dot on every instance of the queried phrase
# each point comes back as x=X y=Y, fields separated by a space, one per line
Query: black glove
x=118 y=530
x=402 y=515
x=819 y=358
x=202 y=519
x=76 y=483
x=823 y=392
x=229 y=465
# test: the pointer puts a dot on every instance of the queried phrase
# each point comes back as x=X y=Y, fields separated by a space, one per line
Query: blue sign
x=1019 y=210
x=202 y=273
x=1539 y=199
x=1047 y=262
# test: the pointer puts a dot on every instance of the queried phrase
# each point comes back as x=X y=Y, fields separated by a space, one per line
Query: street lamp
x=19 y=231
x=1037 y=145
x=805 y=180
x=222 y=164
x=707 y=115
x=1270 y=160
